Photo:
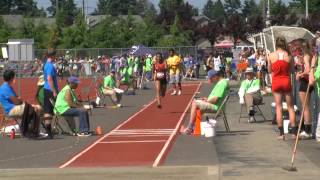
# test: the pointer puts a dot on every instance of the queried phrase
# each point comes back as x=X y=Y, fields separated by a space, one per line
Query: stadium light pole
x=57 y=7
x=268 y=14
x=307 y=9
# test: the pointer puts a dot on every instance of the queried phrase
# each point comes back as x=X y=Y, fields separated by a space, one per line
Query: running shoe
x=119 y=105
x=251 y=119
x=84 y=134
x=179 y=92
x=305 y=136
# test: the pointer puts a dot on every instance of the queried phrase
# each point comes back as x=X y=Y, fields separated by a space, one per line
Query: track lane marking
x=142 y=141
x=165 y=147
x=103 y=137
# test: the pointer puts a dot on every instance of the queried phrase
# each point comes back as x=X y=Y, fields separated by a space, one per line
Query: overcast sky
x=92 y=4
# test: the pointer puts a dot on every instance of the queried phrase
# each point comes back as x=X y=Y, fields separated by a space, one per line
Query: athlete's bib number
x=160 y=75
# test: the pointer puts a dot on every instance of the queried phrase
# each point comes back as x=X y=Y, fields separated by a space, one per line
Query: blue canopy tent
x=141 y=50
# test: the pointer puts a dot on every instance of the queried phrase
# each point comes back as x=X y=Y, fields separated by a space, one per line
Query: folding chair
x=56 y=123
x=103 y=97
x=256 y=108
x=221 y=112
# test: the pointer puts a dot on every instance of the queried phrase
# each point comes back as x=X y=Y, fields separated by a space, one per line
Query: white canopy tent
x=267 y=37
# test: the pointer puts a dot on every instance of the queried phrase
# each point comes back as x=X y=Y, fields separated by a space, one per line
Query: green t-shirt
x=109 y=82
x=148 y=64
x=220 y=90
x=249 y=86
x=61 y=105
x=125 y=75
x=130 y=66
x=41 y=96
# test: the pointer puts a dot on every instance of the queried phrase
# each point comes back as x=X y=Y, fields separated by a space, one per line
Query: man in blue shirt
x=50 y=89
x=11 y=103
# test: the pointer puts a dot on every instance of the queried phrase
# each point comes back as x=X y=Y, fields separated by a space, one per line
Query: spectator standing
x=314 y=76
x=197 y=66
x=302 y=76
x=209 y=62
x=280 y=64
x=175 y=66
x=50 y=90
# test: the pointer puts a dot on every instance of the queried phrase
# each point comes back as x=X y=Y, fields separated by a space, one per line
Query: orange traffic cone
x=99 y=130
x=197 y=127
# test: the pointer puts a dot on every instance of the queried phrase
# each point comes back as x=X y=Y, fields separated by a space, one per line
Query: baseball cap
x=73 y=80
x=40 y=81
x=249 y=70
x=212 y=73
x=113 y=71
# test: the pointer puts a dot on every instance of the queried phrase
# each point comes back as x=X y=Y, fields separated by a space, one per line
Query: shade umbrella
x=224 y=44
x=141 y=50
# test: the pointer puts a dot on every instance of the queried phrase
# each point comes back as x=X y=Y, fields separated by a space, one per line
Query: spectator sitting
x=67 y=104
x=15 y=107
x=213 y=102
x=39 y=97
x=108 y=88
x=249 y=93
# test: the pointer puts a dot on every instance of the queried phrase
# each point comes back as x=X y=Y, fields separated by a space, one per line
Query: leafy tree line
x=171 y=25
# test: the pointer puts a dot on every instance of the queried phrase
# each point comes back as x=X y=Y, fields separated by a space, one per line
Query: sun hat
x=40 y=81
x=249 y=70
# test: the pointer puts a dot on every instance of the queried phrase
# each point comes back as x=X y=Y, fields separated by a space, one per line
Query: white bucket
x=202 y=125
x=209 y=130
x=286 y=126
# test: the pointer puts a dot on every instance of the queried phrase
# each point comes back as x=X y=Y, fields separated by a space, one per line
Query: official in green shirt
x=109 y=85
x=249 y=93
x=68 y=105
x=212 y=103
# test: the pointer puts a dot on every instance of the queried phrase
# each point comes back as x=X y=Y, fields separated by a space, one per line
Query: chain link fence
x=95 y=52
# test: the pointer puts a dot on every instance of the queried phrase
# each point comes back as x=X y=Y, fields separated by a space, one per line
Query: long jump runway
x=142 y=140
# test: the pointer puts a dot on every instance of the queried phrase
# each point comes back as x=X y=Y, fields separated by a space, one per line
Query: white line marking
x=145 y=130
x=157 y=161
x=106 y=135
x=140 y=135
x=143 y=133
x=144 y=141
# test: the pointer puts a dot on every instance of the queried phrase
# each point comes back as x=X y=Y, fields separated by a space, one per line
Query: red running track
x=143 y=140
x=29 y=88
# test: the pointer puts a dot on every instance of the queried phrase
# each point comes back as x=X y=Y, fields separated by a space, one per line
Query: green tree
x=5 y=31
x=176 y=37
x=250 y=8
x=21 y=7
x=299 y=6
x=117 y=7
x=76 y=36
x=66 y=13
x=278 y=11
x=235 y=28
x=232 y=6
x=218 y=10
x=208 y=9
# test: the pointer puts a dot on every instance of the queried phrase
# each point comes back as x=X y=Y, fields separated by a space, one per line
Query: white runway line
x=142 y=141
